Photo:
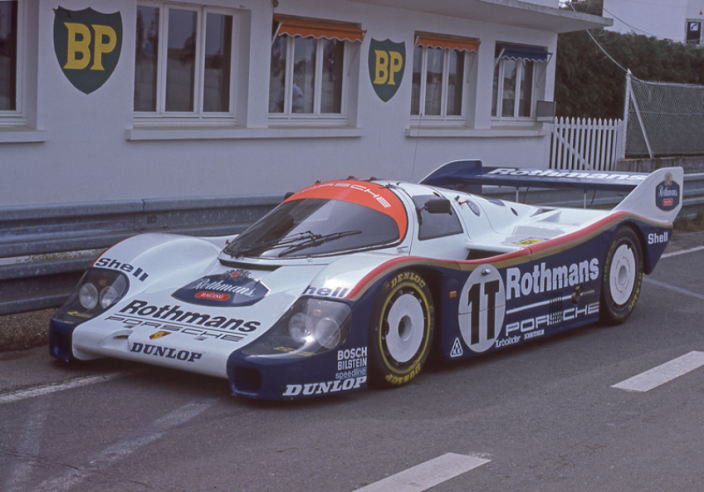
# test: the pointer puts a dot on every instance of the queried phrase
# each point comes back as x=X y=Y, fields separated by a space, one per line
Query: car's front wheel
x=401 y=331
x=623 y=277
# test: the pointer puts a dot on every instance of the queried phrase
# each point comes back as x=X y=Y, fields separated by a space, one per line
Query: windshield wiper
x=243 y=250
x=317 y=240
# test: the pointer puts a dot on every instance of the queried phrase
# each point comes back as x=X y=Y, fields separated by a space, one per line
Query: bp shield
x=387 y=61
x=87 y=45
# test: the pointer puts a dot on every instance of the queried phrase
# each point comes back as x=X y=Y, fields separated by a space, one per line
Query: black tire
x=401 y=330
x=623 y=277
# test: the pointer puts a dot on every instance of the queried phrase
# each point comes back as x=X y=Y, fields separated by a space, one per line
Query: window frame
x=688 y=30
x=497 y=98
x=160 y=114
x=288 y=116
x=443 y=117
x=433 y=226
x=538 y=75
x=16 y=116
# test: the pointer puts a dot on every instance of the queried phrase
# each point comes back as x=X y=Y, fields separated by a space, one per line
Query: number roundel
x=482 y=307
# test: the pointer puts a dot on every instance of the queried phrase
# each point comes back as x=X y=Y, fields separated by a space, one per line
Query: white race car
x=349 y=283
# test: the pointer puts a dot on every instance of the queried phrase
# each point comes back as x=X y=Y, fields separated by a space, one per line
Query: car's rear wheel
x=401 y=331
x=623 y=277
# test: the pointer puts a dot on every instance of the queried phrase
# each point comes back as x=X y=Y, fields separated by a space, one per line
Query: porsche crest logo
x=87 y=45
x=159 y=334
x=386 y=63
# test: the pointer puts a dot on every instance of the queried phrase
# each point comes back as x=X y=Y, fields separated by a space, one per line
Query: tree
x=588 y=84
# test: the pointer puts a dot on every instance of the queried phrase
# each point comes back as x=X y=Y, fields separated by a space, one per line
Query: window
x=432 y=225
x=694 y=30
x=8 y=55
x=183 y=61
x=515 y=70
x=438 y=76
x=313 y=55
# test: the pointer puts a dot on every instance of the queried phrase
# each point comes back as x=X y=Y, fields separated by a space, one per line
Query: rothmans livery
x=353 y=283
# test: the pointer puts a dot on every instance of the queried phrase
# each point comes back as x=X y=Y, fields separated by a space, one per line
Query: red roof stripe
x=370 y=195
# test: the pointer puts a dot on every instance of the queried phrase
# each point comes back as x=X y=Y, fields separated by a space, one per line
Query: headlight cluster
x=89 y=296
x=97 y=291
x=309 y=327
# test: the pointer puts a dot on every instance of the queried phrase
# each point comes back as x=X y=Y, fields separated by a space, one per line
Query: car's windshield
x=315 y=226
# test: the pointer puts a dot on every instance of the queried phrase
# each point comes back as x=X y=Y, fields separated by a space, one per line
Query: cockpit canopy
x=326 y=218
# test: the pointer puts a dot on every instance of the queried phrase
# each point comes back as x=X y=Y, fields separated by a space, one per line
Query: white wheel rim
x=406 y=325
x=622 y=275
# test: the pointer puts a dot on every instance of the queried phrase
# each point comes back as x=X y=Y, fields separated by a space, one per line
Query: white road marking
x=684 y=251
x=663 y=373
x=65 y=385
x=29 y=445
x=426 y=475
x=127 y=446
x=675 y=289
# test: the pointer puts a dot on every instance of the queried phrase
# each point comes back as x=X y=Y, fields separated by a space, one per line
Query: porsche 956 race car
x=352 y=283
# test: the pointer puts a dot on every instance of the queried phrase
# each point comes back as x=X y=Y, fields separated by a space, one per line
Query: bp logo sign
x=386 y=62
x=87 y=45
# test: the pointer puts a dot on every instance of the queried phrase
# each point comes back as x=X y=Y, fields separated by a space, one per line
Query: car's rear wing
x=455 y=174
x=657 y=195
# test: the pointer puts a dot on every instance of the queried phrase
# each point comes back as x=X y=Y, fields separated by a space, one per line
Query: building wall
x=78 y=147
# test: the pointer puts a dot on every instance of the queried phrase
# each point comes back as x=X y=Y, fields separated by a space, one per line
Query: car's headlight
x=88 y=296
x=328 y=333
x=110 y=294
x=97 y=291
x=300 y=327
x=309 y=327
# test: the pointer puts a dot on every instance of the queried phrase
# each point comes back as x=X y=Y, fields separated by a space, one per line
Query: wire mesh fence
x=663 y=119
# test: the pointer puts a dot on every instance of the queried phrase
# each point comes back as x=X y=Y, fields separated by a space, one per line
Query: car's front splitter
x=285 y=376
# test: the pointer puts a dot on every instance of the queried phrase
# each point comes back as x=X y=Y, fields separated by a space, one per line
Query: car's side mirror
x=438 y=206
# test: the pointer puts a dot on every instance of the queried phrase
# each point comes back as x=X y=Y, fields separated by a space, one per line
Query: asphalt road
x=542 y=417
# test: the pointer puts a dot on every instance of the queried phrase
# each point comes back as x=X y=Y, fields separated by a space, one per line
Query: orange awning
x=319 y=29
x=449 y=43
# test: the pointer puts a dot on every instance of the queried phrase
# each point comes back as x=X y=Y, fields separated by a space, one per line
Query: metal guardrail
x=39 y=266
x=45 y=249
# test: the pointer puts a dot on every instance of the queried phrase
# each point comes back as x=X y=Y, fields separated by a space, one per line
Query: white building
x=677 y=20
x=124 y=99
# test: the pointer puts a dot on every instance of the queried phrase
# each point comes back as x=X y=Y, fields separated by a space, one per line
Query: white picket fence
x=580 y=143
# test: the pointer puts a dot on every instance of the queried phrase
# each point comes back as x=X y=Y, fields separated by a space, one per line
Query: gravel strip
x=25 y=330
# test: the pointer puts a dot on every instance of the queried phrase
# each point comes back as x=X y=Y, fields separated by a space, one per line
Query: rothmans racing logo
x=549 y=173
x=168 y=313
x=232 y=288
x=667 y=194
x=543 y=279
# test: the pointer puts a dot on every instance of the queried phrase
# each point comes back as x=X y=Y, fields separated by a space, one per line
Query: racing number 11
x=482 y=307
x=474 y=303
